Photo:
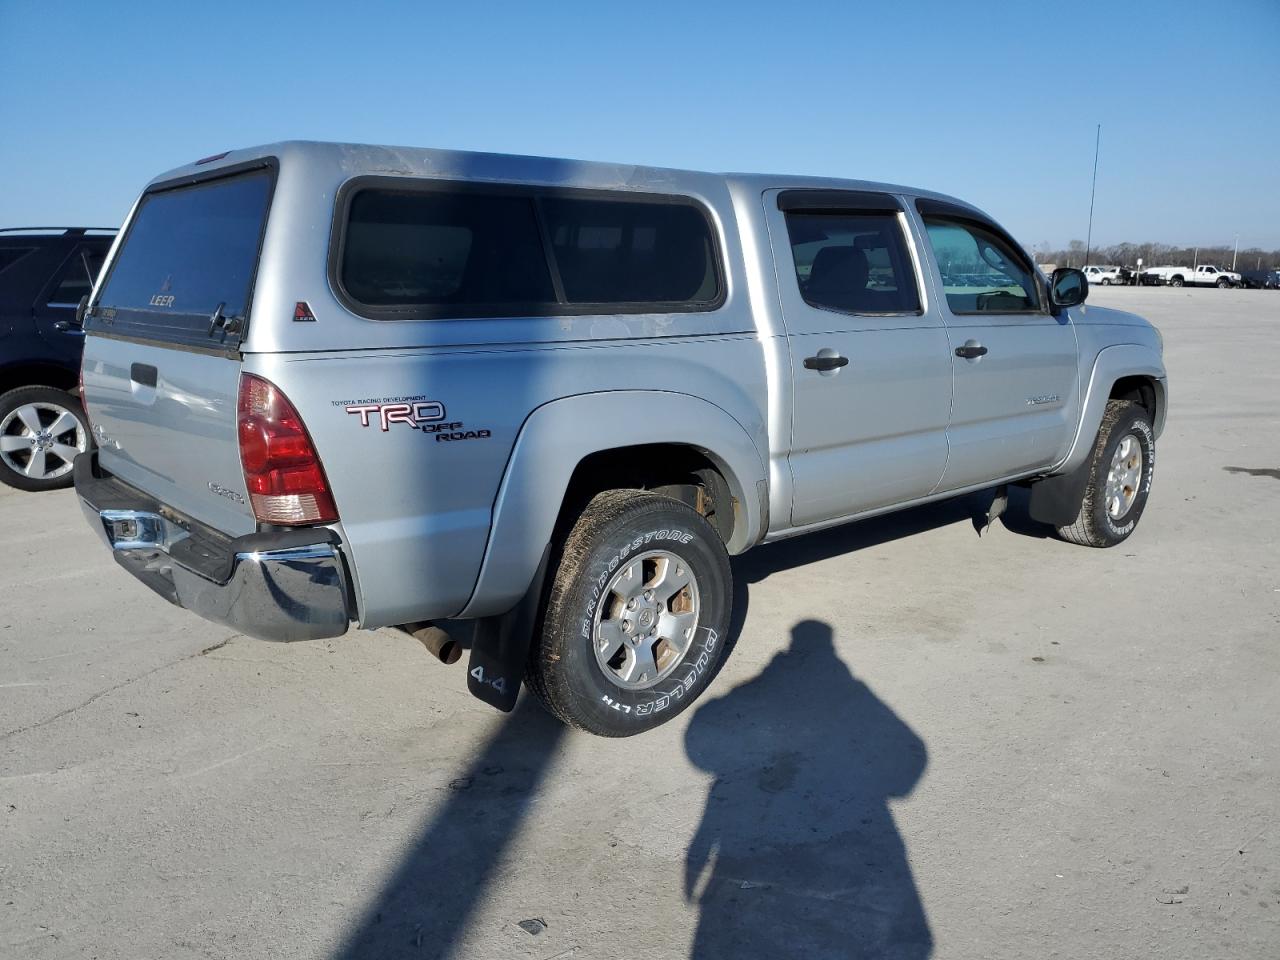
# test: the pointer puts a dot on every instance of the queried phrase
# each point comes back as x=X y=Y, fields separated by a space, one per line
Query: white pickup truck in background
x=1103 y=276
x=1205 y=275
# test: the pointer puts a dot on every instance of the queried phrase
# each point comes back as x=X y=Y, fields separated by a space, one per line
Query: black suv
x=1260 y=279
x=43 y=274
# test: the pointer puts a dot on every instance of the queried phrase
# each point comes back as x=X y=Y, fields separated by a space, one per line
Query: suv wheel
x=42 y=429
x=1120 y=471
x=637 y=615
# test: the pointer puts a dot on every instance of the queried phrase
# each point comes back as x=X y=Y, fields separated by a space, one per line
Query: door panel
x=870 y=433
x=1014 y=408
x=873 y=433
x=1016 y=391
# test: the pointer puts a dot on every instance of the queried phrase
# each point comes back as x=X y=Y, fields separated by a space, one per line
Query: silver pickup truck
x=334 y=384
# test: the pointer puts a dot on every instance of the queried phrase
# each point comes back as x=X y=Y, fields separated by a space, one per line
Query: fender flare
x=558 y=435
x=1112 y=364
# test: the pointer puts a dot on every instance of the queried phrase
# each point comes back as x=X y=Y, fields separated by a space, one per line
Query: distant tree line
x=1158 y=255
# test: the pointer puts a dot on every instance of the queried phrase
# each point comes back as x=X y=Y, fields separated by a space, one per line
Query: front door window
x=981 y=273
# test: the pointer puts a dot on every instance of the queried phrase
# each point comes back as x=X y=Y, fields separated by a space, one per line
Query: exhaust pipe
x=445 y=648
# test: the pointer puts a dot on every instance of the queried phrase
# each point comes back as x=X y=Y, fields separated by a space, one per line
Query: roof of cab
x=369 y=159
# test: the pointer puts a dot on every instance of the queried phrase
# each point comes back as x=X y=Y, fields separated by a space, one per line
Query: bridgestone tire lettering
x=563 y=671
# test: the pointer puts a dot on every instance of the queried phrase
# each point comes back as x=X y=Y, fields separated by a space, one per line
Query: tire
x=1109 y=516
x=31 y=457
x=1106 y=282
x=1175 y=282
x=1223 y=284
x=631 y=536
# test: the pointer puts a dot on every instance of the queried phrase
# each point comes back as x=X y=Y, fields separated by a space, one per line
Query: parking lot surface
x=926 y=743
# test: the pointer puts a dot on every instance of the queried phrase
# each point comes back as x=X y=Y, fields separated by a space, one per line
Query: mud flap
x=500 y=646
x=1056 y=500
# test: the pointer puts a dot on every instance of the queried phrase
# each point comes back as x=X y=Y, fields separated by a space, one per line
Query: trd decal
x=425 y=416
x=414 y=414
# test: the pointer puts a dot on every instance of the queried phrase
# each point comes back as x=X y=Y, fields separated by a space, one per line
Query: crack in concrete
x=112 y=689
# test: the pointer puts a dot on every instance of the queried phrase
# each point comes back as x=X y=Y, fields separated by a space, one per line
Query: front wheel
x=1223 y=284
x=42 y=429
x=636 y=618
x=1120 y=471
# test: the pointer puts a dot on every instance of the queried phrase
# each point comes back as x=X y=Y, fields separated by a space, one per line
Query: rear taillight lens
x=286 y=482
x=84 y=402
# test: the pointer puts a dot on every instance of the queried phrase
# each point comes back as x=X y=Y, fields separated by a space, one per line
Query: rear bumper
x=289 y=585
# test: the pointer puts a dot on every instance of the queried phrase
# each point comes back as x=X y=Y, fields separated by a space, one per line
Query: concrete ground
x=995 y=747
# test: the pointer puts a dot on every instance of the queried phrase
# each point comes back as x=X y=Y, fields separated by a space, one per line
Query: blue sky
x=993 y=102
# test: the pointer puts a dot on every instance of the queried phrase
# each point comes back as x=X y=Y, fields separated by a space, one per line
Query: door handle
x=971 y=351
x=834 y=362
x=143 y=374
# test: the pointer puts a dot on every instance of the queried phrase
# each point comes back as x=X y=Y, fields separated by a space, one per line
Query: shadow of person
x=803 y=856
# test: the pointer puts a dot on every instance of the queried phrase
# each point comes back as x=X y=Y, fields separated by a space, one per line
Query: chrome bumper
x=290 y=592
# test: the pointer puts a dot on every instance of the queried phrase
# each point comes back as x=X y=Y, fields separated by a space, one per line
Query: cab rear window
x=444 y=250
x=190 y=253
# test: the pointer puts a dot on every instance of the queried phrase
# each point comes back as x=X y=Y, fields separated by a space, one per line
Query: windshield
x=189 y=251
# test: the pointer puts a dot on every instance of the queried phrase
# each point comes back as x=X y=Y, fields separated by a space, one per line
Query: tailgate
x=161 y=359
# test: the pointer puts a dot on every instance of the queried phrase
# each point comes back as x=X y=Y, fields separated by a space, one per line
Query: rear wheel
x=1106 y=281
x=636 y=618
x=1175 y=282
x=1120 y=471
x=42 y=429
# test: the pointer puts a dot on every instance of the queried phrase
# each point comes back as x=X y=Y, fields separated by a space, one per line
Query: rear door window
x=77 y=276
x=11 y=255
x=190 y=252
x=852 y=262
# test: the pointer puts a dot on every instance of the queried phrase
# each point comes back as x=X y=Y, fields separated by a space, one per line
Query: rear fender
x=558 y=435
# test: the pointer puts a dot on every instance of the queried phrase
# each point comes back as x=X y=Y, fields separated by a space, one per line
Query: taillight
x=84 y=401
x=286 y=482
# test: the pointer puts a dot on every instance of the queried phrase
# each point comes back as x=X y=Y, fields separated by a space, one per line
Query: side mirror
x=1068 y=287
x=81 y=307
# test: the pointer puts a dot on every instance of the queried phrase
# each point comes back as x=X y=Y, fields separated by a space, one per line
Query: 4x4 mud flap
x=1056 y=500
x=500 y=646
